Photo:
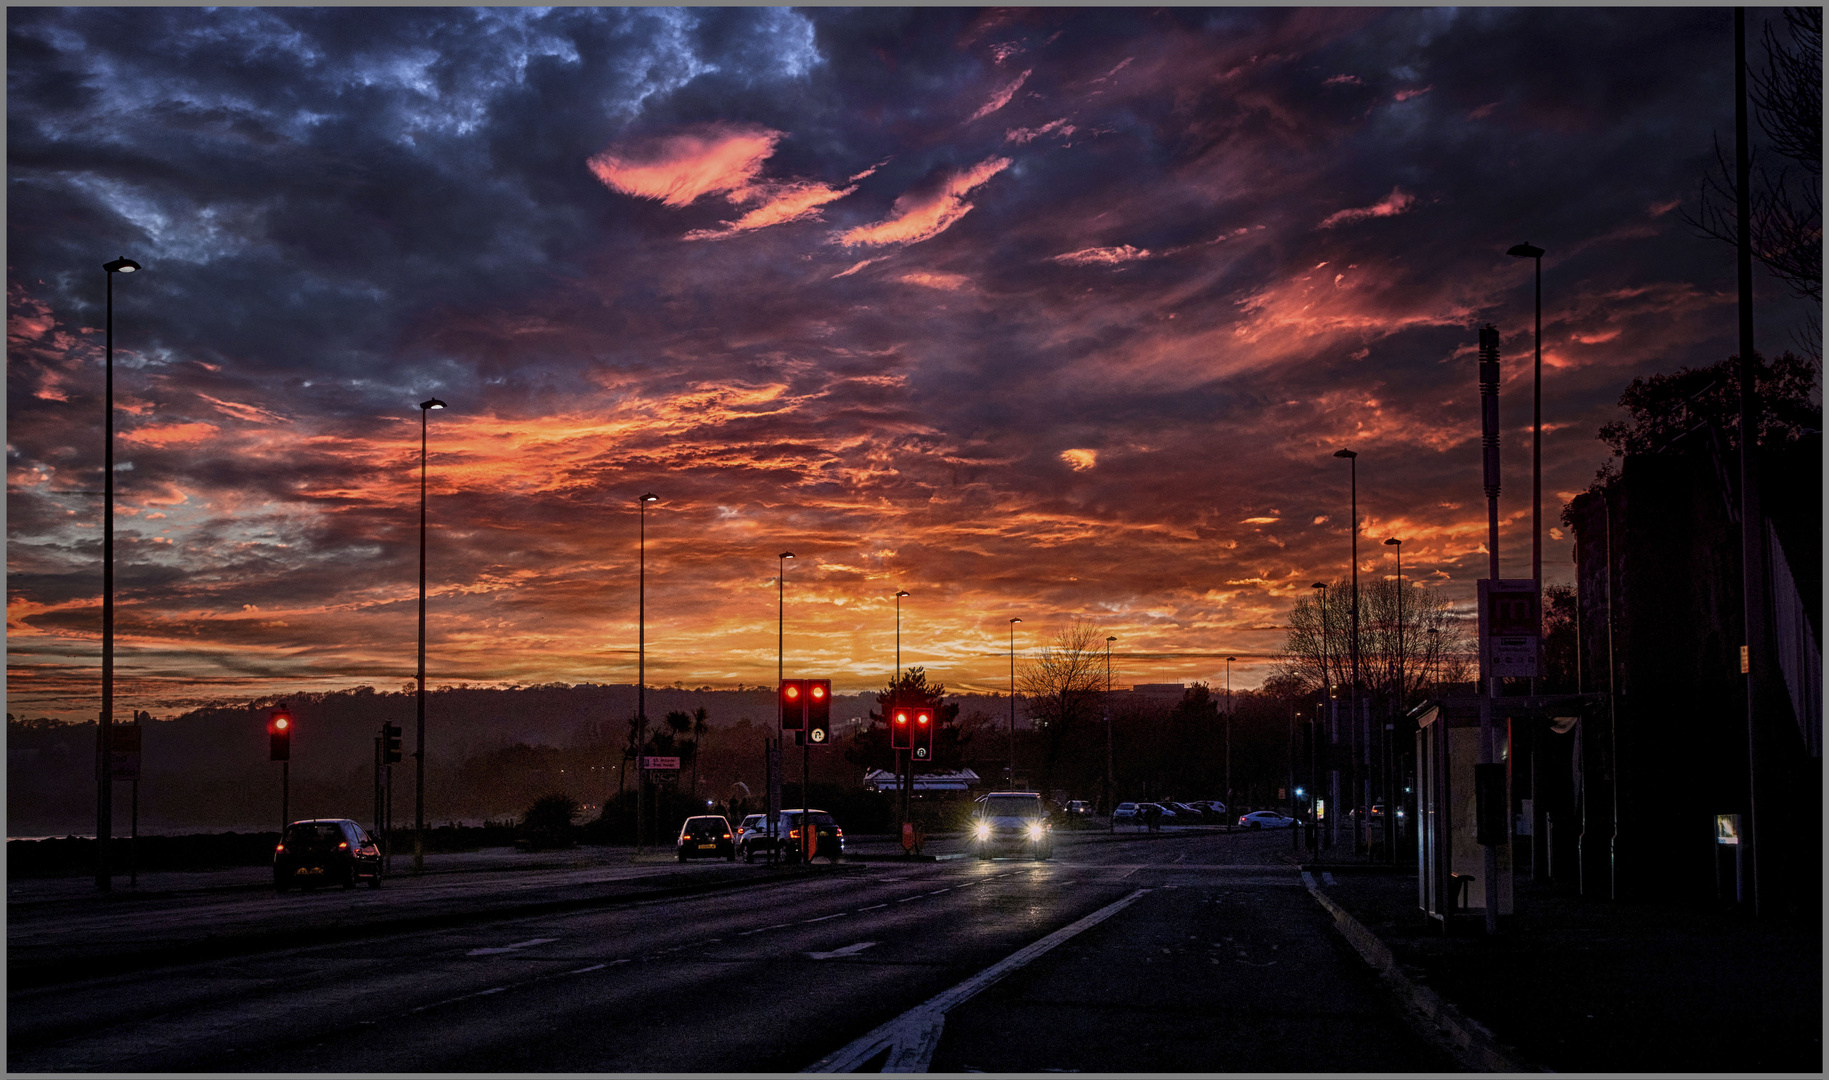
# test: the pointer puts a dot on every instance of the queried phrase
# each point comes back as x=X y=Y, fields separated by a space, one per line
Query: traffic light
x=923 y=735
x=819 y=710
x=279 y=735
x=793 y=696
x=390 y=743
x=899 y=718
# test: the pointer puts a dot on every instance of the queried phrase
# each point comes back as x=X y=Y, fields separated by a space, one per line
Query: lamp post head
x=1526 y=250
x=899 y=593
x=1113 y=637
x=787 y=555
x=1345 y=454
x=1013 y=622
x=1392 y=542
x=1319 y=585
x=122 y=265
x=1229 y=659
x=431 y=403
x=650 y=497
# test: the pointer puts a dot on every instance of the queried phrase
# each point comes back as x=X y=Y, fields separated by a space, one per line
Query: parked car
x=1210 y=808
x=1126 y=812
x=706 y=834
x=325 y=851
x=829 y=839
x=749 y=825
x=1183 y=810
x=1011 y=822
x=1265 y=819
x=1161 y=811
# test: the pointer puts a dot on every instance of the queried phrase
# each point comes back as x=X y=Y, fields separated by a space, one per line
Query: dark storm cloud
x=1045 y=311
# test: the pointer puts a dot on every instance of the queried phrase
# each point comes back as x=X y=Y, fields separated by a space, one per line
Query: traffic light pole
x=285 y=796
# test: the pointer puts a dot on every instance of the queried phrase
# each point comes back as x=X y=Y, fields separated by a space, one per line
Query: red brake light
x=342 y=846
x=279 y=849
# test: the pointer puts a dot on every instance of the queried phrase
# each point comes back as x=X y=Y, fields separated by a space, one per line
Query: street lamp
x=104 y=758
x=1327 y=698
x=425 y=409
x=1402 y=697
x=1527 y=250
x=1108 y=770
x=1229 y=660
x=780 y=652
x=899 y=593
x=1363 y=738
x=641 y=663
x=1013 y=623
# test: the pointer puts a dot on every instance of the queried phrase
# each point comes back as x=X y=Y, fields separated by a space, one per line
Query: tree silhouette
x=1063 y=686
x=1400 y=667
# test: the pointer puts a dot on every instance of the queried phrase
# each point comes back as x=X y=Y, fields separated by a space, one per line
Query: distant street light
x=899 y=593
x=641 y=663
x=780 y=653
x=1109 y=783
x=1327 y=701
x=425 y=409
x=104 y=754
x=1013 y=623
x=1229 y=660
x=1364 y=765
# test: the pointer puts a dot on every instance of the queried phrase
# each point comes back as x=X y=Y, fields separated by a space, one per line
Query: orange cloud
x=717 y=159
x=1080 y=460
x=917 y=217
x=1393 y=204
x=171 y=434
x=949 y=282
x=1019 y=136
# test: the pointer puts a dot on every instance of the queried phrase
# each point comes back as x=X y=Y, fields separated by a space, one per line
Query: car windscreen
x=315 y=833
x=1011 y=808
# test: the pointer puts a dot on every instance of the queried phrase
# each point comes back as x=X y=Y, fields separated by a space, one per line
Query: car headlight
x=982 y=831
x=1035 y=830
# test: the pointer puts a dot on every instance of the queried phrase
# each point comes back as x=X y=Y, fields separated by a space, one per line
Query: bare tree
x=1787 y=206
x=1400 y=658
x=1062 y=688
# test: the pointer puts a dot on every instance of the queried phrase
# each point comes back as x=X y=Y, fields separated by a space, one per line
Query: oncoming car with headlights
x=1011 y=822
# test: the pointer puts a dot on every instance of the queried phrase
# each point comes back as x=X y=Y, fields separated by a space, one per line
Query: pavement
x=1590 y=986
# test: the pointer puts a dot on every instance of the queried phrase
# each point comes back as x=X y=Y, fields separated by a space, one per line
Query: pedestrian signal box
x=819 y=710
x=922 y=737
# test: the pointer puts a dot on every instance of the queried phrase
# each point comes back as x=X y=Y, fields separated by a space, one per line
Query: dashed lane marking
x=511 y=948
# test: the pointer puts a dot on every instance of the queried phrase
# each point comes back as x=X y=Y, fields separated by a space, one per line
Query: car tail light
x=344 y=846
x=726 y=836
x=794 y=834
x=838 y=832
x=279 y=849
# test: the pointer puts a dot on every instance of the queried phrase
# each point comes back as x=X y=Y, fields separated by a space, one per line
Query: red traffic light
x=790 y=691
x=818 y=691
x=793 y=707
x=279 y=735
x=898 y=730
x=923 y=717
x=279 y=722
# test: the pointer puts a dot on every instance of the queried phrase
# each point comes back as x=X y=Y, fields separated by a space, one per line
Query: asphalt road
x=1190 y=952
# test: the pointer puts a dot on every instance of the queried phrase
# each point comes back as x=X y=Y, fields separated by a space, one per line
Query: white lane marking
x=937 y=892
x=848 y=950
x=823 y=918
x=1308 y=879
x=906 y=899
x=593 y=967
x=511 y=948
x=1328 y=879
x=872 y=907
x=460 y=997
x=758 y=930
x=913 y=1036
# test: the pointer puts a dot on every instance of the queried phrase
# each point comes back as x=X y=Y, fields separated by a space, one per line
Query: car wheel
x=374 y=880
x=749 y=854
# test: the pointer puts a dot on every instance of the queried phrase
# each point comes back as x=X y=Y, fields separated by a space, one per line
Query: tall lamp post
x=1013 y=623
x=899 y=593
x=780 y=675
x=894 y=702
x=1229 y=660
x=1530 y=251
x=1386 y=747
x=1364 y=764
x=641 y=665
x=425 y=409
x=1327 y=711
x=104 y=756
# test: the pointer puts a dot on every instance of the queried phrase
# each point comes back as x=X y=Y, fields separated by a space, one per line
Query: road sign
x=660 y=762
x=1509 y=628
x=124 y=751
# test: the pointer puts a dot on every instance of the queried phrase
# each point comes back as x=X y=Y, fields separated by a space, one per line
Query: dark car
x=706 y=835
x=1013 y=823
x=325 y=851
x=828 y=837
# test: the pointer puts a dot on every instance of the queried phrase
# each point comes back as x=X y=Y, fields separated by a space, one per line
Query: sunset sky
x=1041 y=314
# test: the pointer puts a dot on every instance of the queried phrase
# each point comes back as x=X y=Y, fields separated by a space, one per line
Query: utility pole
x=1489 y=441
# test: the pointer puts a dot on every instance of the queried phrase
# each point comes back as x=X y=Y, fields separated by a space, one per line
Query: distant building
x=942 y=780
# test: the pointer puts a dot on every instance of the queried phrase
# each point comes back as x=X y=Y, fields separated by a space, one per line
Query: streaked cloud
x=1000 y=97
x=1391 y=205
x=926 y=213
x=679 y=169
x=1105 y=256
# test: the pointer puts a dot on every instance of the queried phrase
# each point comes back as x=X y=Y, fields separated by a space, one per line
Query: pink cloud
x=796 y=200
x=1393 y=204
x=929 y=280
x=716 y=159
x=1405 y=95
x=922 y=216
x=1344 y=80
x=1662 y=208
x=856 y=266
x=251 y=413
x=1105 y=256
x=1019 y=136
x=1005 y=50
x=1000 y=98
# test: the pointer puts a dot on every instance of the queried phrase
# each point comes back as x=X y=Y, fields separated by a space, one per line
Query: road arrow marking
x=848 y=950
x=511 y=948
